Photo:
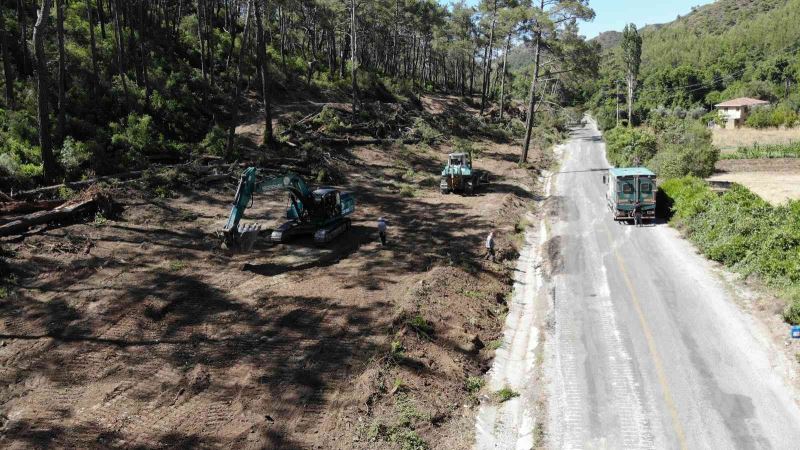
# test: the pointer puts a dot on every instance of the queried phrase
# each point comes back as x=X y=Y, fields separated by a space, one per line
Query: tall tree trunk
x=93 y=47
x=120 y=52
x=631 y=87
x=144 y=55
x=43 y=88
x=532 y=94
x=269 y=139
x=487 y=59
x=101 y=18
x=200 y=16
x=9 y=77
x=23 y=41
x=236 y=88
x=503 y=79
x=396 y=39
x=354 y=53
x=472 y=73
x=62 y=75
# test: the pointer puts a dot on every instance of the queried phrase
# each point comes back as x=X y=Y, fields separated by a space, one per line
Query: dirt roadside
x=140 y=332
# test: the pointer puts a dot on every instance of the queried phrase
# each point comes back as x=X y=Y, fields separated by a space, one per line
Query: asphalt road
x=648 y=348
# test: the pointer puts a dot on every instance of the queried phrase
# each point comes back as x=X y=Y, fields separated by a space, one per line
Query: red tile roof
x=739 y=102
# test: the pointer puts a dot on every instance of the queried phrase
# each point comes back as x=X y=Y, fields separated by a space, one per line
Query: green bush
x=777 y=116
x=474 y=384
x=136 y=135
x=506 y=394
x=215 y=141
x=74 y=156
x=742 y=231
x=426 y=132
x=606 y=117
x=329 y=119
x=678 y=161
x=625 y=145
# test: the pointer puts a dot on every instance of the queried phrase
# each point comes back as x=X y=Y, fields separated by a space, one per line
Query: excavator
x=322 y=212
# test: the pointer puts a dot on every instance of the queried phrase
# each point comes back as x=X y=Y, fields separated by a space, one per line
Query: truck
x=629 y=187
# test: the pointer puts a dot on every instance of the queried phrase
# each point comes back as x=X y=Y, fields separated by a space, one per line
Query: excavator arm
x=249 y=185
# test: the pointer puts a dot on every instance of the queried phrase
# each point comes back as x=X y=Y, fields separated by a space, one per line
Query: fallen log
x=208 y=179
x=28 y=207
x=61 y=213
x=79 y=184
x=344 y=142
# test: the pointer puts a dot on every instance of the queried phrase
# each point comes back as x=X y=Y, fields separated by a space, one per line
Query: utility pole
x=616 y=97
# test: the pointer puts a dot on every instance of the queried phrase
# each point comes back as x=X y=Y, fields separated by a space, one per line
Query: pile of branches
x=335 y=124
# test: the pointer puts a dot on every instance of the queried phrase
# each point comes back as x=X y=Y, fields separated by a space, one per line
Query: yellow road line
x=651 y=344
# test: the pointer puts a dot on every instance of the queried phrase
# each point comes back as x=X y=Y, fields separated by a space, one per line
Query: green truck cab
x=629 y=187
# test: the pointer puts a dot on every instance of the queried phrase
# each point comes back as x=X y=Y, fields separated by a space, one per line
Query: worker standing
x=382 y=230
x=490 y=247
x=637 y=214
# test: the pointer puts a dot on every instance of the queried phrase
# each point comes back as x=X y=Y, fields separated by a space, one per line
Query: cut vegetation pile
x=742 y=231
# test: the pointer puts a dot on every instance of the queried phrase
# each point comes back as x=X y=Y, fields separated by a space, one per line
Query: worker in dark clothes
x=637 y=214
x=382 y=230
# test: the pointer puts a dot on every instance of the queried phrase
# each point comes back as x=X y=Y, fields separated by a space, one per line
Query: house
x=734 y=112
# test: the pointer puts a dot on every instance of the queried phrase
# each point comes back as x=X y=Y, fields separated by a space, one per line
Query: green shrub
x=329 y=119
x=474 y=384
x=677 y=161
x=74 y=156
x=427 y=133
x=420 y=325
x=791 y=314
x=215 y=141
x=408 y=440
x=626 y=145
x=408 y=191
x=742 y=231
x=777 y=116
x=506 y=394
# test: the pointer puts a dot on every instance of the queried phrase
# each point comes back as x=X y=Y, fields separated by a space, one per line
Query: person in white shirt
x=490 y=247
x=382 y=230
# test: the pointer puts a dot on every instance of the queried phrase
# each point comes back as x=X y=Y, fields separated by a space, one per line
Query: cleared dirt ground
x=775 y=180
x=140 y=332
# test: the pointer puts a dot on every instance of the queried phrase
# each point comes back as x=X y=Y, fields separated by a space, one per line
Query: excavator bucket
x=243 y=238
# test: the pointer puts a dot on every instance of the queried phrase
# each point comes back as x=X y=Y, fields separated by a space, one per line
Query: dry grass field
x=775 y=180
x=729 y=140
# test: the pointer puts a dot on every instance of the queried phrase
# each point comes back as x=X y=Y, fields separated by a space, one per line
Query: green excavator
x=322 y=212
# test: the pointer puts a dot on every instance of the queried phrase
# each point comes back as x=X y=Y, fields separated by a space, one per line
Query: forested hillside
x=728 y=49
x=116 y=84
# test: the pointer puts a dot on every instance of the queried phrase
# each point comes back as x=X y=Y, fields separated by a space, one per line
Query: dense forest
x=102 y=86
x=728 y=49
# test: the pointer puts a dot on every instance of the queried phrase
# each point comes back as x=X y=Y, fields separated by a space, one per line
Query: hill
x=727 y=49
x=608 y=39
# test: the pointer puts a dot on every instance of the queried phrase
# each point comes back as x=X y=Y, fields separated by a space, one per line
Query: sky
x=615 y=14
